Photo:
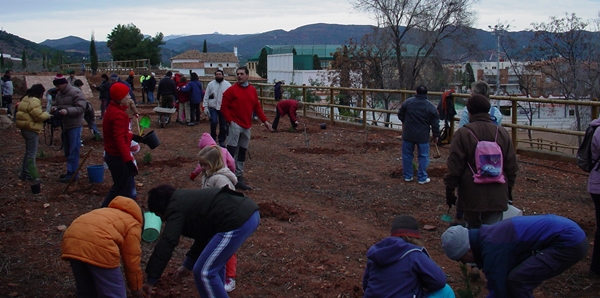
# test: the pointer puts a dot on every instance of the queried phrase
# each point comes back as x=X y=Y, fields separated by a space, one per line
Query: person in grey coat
x=594 y=190
x=418 y=116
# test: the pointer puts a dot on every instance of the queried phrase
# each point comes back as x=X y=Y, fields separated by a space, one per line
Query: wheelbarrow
x=164 y=115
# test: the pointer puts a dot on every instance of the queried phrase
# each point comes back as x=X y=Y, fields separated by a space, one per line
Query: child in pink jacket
x=207 y=140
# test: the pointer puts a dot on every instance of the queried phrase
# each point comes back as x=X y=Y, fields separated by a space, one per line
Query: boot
x=241 y=185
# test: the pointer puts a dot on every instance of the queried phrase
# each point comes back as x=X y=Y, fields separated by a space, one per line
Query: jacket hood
x=206 y=140
x=129 y=206
x=227 y=173
x=391 y=250
x=595 y=122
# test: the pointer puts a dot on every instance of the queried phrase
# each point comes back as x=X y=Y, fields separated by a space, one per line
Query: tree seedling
x=147 y=158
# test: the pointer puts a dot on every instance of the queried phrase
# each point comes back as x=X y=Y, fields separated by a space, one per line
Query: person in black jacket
x=150 y=85
x=167 y=90
x=218 y=219
x=104 y=98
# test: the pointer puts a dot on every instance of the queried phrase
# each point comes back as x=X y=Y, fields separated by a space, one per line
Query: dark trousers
x=7 y=103
x=167 y=100
x=194 y=112
x=216 y=118
x=543 y=265
x=595 y=266
x=122 y=179
x=31 y=146
x=93 y=281
x=71 y=145
x=276 y=121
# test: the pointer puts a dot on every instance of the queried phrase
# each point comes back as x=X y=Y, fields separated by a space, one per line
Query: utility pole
x=498 y=30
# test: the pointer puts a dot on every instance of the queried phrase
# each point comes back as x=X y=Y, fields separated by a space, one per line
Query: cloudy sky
x=38 y=20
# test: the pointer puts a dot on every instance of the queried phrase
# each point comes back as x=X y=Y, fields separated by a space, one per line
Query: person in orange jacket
x=96 y=242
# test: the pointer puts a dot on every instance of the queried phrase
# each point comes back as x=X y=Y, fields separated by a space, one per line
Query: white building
x=205 y=64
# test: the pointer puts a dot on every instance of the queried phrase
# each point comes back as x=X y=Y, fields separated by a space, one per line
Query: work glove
x=206 y=112
x=450 y=197
x=133 y=171
x=510 y=197
x=193 y=176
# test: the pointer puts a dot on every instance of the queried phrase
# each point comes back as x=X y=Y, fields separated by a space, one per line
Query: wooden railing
x=118 y=67
x=550 y=141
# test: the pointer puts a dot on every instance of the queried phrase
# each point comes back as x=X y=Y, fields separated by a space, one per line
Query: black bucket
x=36 y=188
x=323 y=125
x=151 y=139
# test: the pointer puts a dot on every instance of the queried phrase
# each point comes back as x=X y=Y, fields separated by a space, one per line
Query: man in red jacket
x=287 y=107
x=239 y=102
x=117 y=141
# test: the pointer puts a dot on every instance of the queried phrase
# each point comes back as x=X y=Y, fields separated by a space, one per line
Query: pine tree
x=316 y=62
x=93 y=55
x=261 y=68
x=24 y=60
x=2 y=61
x=204 y=48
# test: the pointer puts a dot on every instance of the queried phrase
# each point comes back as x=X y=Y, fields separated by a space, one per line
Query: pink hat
x=59 y=79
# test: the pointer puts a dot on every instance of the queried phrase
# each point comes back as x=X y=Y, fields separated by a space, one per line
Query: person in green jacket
x=218 y=219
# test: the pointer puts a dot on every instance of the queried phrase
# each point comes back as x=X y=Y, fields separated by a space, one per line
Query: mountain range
x=482 y=43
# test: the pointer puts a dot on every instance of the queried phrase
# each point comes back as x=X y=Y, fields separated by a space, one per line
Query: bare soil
x=325 y=196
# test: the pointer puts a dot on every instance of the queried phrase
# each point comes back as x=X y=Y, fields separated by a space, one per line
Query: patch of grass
x=147 y=158
x=41 y=153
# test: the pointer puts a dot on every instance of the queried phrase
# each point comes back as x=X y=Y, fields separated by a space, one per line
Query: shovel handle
x=138 y=125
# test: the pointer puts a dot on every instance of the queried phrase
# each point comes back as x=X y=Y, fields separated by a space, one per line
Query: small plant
x=468 y=291
x=41 y=153
x=33 y=173
x=147 y=158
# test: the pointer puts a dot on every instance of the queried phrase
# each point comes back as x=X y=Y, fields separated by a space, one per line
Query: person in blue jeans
x=399 y=265
x=418 y=117
x=519 y=253
x=218 y=219
x=70 y=105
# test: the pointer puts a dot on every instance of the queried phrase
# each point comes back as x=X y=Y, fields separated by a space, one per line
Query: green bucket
x=152 y=224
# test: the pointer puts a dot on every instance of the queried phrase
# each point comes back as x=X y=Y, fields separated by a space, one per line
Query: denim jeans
x=408 y=149
x=71 y=145
x=93 y=281
x=216 y=118
x=209 y=269
x=150 y=97
x=31 y=146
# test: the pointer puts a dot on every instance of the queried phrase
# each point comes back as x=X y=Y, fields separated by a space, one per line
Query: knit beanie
x=405 y=225
x=114 y=76
x=131 y=73
x=478 y=104
x=455 y=242
x=59 y=79
x=118 y=91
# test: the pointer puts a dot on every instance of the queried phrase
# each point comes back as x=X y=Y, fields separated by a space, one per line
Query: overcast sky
x=38 y=20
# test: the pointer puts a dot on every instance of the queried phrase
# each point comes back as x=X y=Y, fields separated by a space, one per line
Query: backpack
x=488 y=160
x=584 y=152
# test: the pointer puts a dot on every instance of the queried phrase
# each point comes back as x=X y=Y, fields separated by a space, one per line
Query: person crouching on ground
x=117 y=142
x=96 y=242
x=287 y=107
x=205 y=141
x=30 y=119
x=519 y=253
x=218 y=219
x=399 y=265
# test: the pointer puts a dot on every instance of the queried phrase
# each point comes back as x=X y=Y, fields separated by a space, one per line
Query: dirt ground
x=325 y=196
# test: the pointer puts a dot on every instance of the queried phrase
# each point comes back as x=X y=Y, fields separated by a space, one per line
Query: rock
x=46 y=205
x=429 y=227
x=61 y=228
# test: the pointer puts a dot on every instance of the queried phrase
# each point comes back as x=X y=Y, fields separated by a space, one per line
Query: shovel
x=447 y=217
x=144 y=123
x=437 y=152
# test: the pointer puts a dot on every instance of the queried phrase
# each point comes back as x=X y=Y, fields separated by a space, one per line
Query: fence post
x=331 y=109
x=364 y=112
x=594 y=110
x=514 y=121
x=304 y=100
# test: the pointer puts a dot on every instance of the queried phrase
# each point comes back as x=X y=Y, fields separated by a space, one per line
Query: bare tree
x=432 y=20
x=570 y=56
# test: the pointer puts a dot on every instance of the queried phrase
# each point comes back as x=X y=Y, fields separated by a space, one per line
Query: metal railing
x=326 y=109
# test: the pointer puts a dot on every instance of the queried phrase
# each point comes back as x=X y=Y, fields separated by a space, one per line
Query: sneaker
x=229 y=284
x=425 y=181
x=67 y=178
x=190 y=124
x=408 y=179
x=241 y=185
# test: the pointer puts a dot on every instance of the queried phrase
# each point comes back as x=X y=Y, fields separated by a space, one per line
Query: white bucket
x=512 y=212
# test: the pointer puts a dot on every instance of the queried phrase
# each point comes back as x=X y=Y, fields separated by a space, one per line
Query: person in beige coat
x=30 y=119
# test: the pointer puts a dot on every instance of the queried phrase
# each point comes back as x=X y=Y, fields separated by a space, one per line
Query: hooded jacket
x=198 y=214
x=207 y=140
x=396 y=268
x=219 y=179
x=71 y=99
x=594 y=177
x=105 y=236
x=30 y=115
x=491 y=197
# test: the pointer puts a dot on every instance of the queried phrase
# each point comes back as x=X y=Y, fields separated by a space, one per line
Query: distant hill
x=79 y=46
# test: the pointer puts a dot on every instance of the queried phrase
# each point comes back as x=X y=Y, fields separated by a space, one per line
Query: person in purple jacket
x=399 y=265
x=594 y=190
x=519 y=253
